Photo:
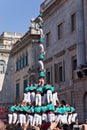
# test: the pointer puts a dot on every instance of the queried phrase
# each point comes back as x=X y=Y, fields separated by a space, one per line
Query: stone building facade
x=25 y=54
x=7 y=39
x=65 y=29
x=19 y=55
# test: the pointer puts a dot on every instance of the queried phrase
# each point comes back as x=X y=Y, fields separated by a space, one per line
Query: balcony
x=47 y=3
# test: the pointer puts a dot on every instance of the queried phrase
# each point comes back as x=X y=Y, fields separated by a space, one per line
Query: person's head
x=63 y=102
x=68 y=105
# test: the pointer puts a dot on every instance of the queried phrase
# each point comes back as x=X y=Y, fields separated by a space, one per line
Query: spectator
x=2 y=126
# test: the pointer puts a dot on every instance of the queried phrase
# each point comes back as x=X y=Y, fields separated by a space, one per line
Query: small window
x=59 y=72
x=17 y=65
x=26 y=58
x=56 y=72
x=48 y=39
x=25 y=84
x=60 y=31
x=17 y=91
x=73 y=22
x=2 y=66
x=74 y=63
x=21 y=60
x=48 y=77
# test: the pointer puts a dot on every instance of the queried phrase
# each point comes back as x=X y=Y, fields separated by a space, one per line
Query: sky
x=15 y=15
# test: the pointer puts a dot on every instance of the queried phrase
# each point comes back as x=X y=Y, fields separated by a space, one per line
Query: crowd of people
x=41 y=109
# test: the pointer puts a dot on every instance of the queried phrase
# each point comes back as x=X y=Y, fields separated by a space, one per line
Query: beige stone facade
x=25 y=58
x=7 y=39
x=19 y=55
x=65 y=29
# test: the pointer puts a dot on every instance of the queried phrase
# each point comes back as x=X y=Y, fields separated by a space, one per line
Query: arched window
x=2 y=66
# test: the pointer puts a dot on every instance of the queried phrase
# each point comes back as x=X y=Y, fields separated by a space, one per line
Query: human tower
x=40 y=102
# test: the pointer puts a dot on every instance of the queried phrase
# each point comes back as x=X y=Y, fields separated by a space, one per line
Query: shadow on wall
x=6 y=80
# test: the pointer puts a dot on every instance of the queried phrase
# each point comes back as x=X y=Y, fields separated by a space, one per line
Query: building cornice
x=71 y=48
x=5 y=51
x=60 y=53
x=24 y=41
x=48 y=60
x=52 y=8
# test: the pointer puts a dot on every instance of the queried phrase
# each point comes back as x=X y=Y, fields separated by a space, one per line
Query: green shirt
x=41 y=40
x=63 y=109
x=40 y=15
x=43 y=87
x=25 y=108
x=38 y=109
x=51 y=107
x=42 y=56
x=31 y=109
x=27 y=88
x=39 y=89
x=72 y=109
x=47 y=87
x=52 y=89
x=42 y=74
x=12 y=108
x=44 y=108
x=18 y=108
x=40 y=24
x=31 y=88
x=58 y=110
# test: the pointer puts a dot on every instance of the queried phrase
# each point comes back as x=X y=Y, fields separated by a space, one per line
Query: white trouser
x=25 y=97
x=22 y=119
x=44 y=117
x=38 y=99
x=59 y=118
x=37 y=119
x=10 y=118
x=14 y=118
x=41 y=32
x=49 y=96
x=44 y=99
x=41 y=47
x=40 y=19
x=32 y=97
x=63 y=119
x=30 y=119
x=41 y=65
x=74 y=116
x=51 y=117
x=28 y=97
x=69 y=118
x=55 y=98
